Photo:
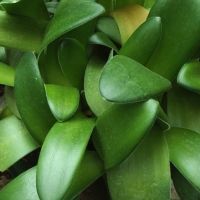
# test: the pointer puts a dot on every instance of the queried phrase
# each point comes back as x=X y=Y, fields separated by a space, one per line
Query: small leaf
x=63 y=101
x=188 y=76
x=123 y=126
x=7 y=74
x=124 y=80
x=15 y=142
x=61 y=156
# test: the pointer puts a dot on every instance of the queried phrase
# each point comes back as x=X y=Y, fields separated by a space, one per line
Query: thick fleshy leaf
x=31 y=98
x=123 y=126
x=34 y=9
x=188 y=76
x=61 y=156
x=185 y=190
x=73 y=61
x=120 y=4
x=109 y=26
x=149 y=3
x=91 y=165
x=22 y=187
x=21 y=33
x=91 y=85
x=69 y=18
x=109 y=5
x=143 y=42
x=177 y=44
x=162 y=119
x=185 y=153
x=13 y=57
x=183 y=108
x=145 y=174
x=102 y=39
x=129 y=18
x=15 y=142
x=63 y=101
x=7 y=74
x=124 y=80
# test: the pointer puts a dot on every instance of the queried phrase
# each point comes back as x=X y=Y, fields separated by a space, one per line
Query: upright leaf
x=7 y=74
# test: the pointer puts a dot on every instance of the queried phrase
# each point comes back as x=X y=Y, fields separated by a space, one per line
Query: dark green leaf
x=5 y=112
x=7 y=74
x=109 y=5
x=124 y=80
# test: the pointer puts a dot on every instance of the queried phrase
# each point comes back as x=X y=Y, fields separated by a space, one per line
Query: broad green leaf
x=124 y=80
x=91 y=85
x=129 y=18
x=185 y=153
x=90 y=169
x=53 y=71
x=51 y=7
x=69 y=18
x=143 y=42
x=120 y=4
x=102 y=39
x=10 y=101
x=183 y=108
x=22 y=187
x=149 y=3
x=15 y=142
x=109 y=5
x=63 y=101
x=123 y=126
x=13 y=57
x=31 y=98
x=7 y=74
x=66 y=140
x=188 y=76
x=185 y=190
x=21 y=33
x=177 y=45
x=109 y=26
x=34 y=9
x=73 y=61
x=145 y=174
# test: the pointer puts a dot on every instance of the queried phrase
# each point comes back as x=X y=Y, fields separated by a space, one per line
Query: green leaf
x=145 y=174
x=34 y=9
x=7 y=74
x=66 y=140
x=15 y=142
x=69 y=18
x=124 y=80
x=149 y=3
x=185 y=153
x=21 y=33
x=5 y=112
x=63 y=101
x=120 y=4
x=31 y=98
x=123 y=126
x=73 y=61
x=188 y=76
x=109 y=5
x=143 y=42
x=22 y=187
x=129 y=18
x=91 y=85
x=102 y=39
x=185 y=190
x=109 y=26
x=177 y=45
x=163 y=120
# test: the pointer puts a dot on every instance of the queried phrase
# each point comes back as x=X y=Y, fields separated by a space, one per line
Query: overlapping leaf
x=7 y=74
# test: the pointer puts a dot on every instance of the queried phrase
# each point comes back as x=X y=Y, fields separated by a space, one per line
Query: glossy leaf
x=91 y=85
x=129 y=18
x=26 y=33
x=124 y=80
x=109 y=26
x=63 y=101
x=22 y=187
x=101 y=39
x=123 y=126
x=66 y=140
x=73 y=61
x=7 y=74
x=145 y=174
x=185 y=190
x=69 y=18
x=177 y=44
x=188 y=76
x=143 y=42
x=31 y=99
x=163 y=120
x=185 y=153
x=15 y=142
